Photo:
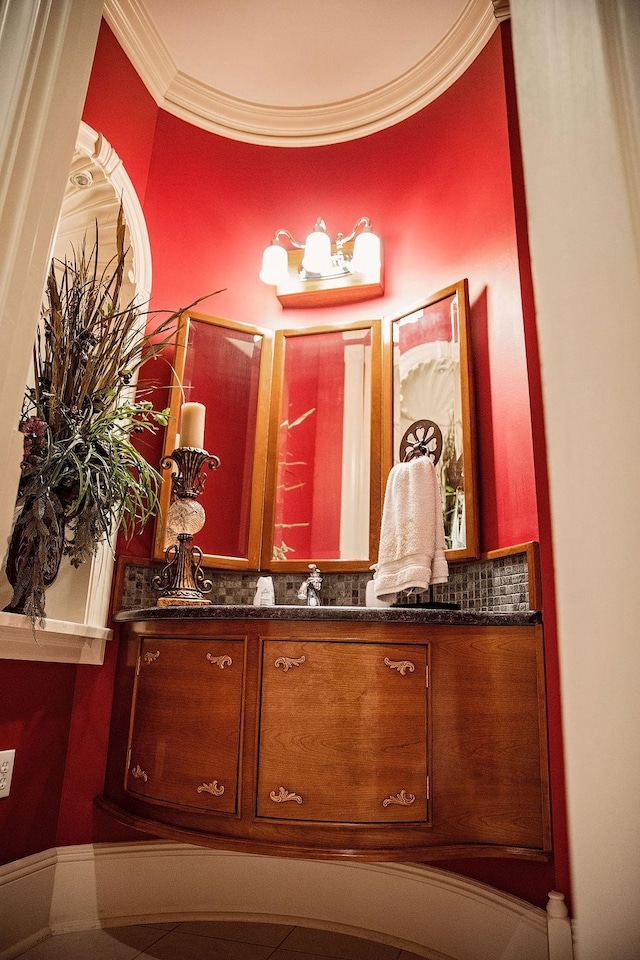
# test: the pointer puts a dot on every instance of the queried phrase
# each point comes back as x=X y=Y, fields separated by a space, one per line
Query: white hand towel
x=412 y=544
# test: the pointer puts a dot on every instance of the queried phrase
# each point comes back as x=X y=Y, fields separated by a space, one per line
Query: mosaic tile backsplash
x=495 y=586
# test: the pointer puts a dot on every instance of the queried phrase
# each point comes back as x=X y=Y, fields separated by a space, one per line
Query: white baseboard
x=26 y=893
x=427 y=911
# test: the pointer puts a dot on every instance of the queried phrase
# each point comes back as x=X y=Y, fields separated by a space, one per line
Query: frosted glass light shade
x=317 y=252
x=366 y=253
x=275 y=265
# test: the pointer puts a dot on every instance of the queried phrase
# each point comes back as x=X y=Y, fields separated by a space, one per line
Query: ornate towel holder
x=423 y=439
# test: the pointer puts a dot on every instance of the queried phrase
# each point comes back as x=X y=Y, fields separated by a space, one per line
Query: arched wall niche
x=96 y=184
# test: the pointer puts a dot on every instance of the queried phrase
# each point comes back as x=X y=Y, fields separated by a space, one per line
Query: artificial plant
x=82 y=478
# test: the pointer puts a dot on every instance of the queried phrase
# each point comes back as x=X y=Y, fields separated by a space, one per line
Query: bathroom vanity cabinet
x=332 y=733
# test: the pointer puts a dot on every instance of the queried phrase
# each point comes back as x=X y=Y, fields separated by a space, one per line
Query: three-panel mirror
x=306 y=433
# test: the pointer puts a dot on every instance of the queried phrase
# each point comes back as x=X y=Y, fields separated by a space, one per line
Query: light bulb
x=275 y=265
x=366 y=253
x=317 y=252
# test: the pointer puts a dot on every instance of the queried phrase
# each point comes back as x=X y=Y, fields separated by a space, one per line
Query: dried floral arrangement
x=82 y=478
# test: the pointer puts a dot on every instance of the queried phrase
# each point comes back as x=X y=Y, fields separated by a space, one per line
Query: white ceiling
x=299 y=72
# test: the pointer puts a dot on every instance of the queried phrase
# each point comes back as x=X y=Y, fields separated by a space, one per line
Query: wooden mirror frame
x=375 y=504
x=472 y=544
x=257 y=484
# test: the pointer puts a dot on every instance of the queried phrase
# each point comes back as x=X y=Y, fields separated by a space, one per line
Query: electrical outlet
x=6 y=771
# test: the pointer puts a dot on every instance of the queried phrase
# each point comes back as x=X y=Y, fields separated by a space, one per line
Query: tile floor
x=211 y=940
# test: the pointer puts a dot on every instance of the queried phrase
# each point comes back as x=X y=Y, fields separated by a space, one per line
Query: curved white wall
x=422 y=909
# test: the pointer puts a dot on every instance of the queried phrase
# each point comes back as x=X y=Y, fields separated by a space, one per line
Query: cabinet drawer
x=343 y=732
x=186 y=719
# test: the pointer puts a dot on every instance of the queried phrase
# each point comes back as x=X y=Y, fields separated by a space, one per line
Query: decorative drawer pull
x=402 y=666
x=222 y=662
x=150 y=657
x=212 y=788
x=283 y=795
x=288 y=662
x=139 y=773
x=401 y=798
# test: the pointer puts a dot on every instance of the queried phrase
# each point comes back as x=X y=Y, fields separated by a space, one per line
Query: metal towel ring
x=422 y=439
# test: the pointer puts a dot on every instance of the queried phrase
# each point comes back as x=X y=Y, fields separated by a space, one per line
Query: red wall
x=117 y=92
x=35 y=715
x=440 y=190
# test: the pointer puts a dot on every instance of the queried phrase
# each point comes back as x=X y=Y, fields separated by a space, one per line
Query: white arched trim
x=94 y=582
x=425 y=910
x=93 y=145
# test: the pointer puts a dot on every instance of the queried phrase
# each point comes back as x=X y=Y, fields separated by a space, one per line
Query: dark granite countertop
x=370 y=614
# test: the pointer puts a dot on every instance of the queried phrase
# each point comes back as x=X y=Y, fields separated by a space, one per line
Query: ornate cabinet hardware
x=139 y=773
x=223 y=661
x=283 y=795
x=211 y=788
x=402 y=666
x=400 y=798
x=148 y=658
x=288 y=662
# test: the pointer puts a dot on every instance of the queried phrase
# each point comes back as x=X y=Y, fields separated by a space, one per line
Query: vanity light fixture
x=321 y=273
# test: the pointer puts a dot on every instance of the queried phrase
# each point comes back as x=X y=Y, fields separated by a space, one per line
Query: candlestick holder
x=182 y=580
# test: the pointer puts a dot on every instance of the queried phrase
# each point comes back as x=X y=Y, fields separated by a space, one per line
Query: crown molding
x=237 y=119
x=501 y=10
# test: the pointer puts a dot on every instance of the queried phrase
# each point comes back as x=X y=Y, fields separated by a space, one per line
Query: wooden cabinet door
x=186 y=718
x=343 y=732
x=490 y=768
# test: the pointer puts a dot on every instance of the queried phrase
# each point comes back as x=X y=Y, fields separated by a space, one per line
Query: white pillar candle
x=192 y=425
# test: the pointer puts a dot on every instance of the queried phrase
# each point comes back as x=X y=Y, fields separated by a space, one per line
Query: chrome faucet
x=310 y=588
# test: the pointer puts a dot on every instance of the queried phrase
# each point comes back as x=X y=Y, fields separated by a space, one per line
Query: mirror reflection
x=225 y=365
x=324 y=474
x=299 y=432
x=431 y=405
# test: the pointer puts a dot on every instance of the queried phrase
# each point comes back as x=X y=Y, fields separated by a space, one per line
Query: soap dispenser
x=265 y=594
